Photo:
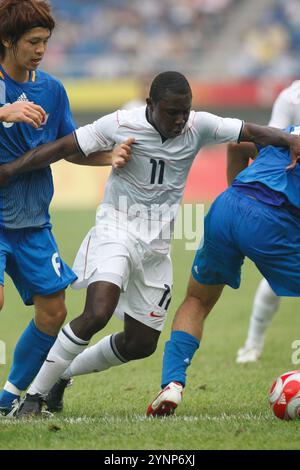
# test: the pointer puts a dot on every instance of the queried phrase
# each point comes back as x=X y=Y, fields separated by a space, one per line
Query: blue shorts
x=31 y=258
x=237 y=226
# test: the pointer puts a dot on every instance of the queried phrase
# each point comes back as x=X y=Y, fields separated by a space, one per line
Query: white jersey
x=286 y=108
x=150 y=187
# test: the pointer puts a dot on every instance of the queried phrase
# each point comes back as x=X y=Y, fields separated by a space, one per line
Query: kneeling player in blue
x=257 y=217
x=28 y=251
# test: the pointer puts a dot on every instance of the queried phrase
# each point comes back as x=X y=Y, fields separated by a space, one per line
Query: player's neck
x=17 y=73
x=150 y=120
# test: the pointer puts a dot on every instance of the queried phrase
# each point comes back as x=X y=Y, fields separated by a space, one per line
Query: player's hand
x=294 y=153
x=23 y=111
x=122 y=154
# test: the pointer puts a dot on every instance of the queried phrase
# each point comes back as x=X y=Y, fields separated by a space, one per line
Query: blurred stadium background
x=106 y=52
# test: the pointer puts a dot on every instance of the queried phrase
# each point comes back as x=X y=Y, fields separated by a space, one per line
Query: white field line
x=224 y=417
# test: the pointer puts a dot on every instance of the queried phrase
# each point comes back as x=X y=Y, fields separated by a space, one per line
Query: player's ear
x=7 y=43
x=149 y=102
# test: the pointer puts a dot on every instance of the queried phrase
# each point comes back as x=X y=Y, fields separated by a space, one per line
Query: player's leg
x=276 y=254
x=217 y=262
x=40 y=278
x=101 y=301
x=7 y=398
x=147 y=306
x=34 y=344
x=102 y=265
x=135 y=342
x=187 y=330
x=265 y=305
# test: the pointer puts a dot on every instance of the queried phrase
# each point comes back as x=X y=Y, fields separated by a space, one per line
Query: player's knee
x=98 y=315
x=50 y=321
x=60 y=316
x=201 y=305
x=140 y=348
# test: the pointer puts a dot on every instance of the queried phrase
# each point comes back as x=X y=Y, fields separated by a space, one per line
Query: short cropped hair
x=17 y=17
x=169 y=82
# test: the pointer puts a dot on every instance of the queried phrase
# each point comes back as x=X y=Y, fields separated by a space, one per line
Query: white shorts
x=144 y=276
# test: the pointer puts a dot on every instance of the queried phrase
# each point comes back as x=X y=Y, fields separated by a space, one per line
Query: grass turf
x=225 y=405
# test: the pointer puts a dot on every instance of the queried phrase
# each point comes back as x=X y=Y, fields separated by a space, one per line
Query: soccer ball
x=284 y=396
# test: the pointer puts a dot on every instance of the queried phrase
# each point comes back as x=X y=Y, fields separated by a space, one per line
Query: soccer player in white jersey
x=125 y=267
x=286 y=111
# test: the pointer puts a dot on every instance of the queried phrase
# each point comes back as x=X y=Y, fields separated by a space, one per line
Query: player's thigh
x=102 y=257
x=50 y=312
x=38 y=269
x=149 y=291
x=218 y=259
x=273 y=244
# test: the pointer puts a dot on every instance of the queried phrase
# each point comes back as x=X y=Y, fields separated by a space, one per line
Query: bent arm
x=264 y=135
x=68 y=149
x=43 y=156
x=94 y=159
x=238 y=156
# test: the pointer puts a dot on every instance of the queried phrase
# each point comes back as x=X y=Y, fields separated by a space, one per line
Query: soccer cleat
x=166 y=401
x=248 y=354
x=32 y=407
x=11 y=412
x=55 y=398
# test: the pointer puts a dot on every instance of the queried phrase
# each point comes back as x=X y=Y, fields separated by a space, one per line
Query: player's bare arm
x=264 y=135
x=64 y=148
x=117 y=158
x=23 y=111
x=238 y=156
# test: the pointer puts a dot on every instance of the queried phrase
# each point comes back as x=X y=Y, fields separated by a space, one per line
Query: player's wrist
x=2 y=114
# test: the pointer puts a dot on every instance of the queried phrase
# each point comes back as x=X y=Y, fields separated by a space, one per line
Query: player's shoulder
x=44 y=77
x=291 y=94
x=201 y=118
x=133 y=118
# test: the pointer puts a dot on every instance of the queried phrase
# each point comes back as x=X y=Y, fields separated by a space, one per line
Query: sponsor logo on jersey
x=23 y=97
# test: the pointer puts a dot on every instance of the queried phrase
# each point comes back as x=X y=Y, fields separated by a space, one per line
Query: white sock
x=97 y=358
x=265 y=305
x=65 y=349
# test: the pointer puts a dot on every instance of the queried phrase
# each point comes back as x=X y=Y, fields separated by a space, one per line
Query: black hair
x=169 y=82
x=19 y=16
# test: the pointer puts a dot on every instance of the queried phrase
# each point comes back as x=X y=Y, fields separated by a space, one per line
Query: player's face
x=31 y=48
x=171 y=114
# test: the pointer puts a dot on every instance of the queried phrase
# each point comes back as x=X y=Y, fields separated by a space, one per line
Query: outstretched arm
x=264 y=135
x=64 y=148
x=117 y=158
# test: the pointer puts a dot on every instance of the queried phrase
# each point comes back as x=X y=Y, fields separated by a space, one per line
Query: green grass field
x=225 y=405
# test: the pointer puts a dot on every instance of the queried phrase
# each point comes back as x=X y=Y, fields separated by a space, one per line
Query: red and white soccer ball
x=284 y=396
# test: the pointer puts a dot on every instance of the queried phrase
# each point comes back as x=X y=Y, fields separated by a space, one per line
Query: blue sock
x=6 y=399
x=178 y=354
x=30 y=353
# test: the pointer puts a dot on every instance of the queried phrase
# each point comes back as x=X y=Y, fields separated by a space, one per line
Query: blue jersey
x=269 y=170
x=25 y=201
